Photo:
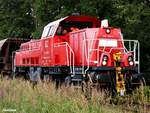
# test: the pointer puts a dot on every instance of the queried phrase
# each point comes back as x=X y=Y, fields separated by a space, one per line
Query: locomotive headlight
x=131 y=63
x=105 y=59
x=104 y=63
x=107 y=30
x=130 y=60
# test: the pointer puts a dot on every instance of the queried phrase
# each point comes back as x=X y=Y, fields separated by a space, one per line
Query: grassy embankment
x=19 y=95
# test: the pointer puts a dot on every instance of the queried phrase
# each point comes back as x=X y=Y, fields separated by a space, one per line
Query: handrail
x=131 y=48
x=71 y=63
x=89 y=55
x=71 y=51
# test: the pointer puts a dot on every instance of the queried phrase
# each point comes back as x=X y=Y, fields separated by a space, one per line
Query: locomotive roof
x=76 y=18
x=55 y=24
x=16 y=40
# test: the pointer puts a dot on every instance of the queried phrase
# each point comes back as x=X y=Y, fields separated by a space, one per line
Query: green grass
x=19 y=95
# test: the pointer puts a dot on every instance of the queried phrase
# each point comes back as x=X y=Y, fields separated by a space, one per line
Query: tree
x=16 y=19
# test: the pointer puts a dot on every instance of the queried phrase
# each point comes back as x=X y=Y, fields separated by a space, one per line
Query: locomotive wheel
x=5 y=74
x=1 y=75
x=142 y=83
x=46 y=78
x=128 y=86
x=68 y=81
x=87 y=87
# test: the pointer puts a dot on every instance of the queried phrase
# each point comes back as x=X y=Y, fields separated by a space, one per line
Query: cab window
x=48 y=31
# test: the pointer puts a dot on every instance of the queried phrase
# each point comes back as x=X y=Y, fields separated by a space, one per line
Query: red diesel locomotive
x=82 y=49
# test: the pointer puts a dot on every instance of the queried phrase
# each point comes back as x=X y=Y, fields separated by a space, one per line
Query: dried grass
x=44 y=98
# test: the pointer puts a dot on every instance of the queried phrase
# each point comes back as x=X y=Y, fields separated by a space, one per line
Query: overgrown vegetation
x=19 y=95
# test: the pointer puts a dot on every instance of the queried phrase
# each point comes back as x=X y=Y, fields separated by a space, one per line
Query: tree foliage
x=15 y=18
x=26 y=18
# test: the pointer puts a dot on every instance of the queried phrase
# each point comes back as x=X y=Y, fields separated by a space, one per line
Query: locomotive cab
x=57 y=27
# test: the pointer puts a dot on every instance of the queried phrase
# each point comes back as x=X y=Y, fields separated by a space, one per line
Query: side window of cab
x=48 y=31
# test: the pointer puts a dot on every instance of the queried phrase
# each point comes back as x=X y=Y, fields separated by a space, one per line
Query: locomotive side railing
x=85 y=49
x=129 y=46
x=134 y=46
x=70 y=58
